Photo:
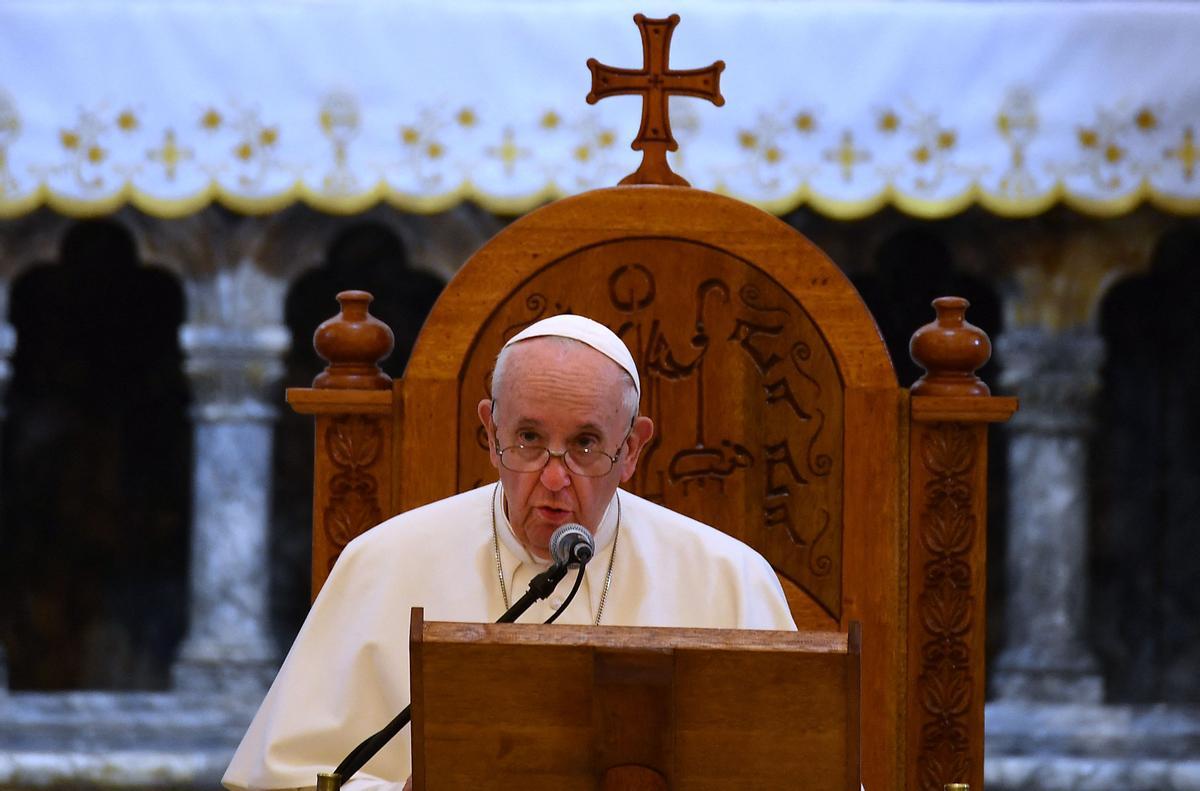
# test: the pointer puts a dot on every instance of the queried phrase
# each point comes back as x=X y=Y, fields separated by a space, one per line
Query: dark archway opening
x=96 y=471
x=1144 y=613
x=909 y=270
x=368 y=257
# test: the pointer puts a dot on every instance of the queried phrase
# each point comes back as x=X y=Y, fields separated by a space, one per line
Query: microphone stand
x=540 y=587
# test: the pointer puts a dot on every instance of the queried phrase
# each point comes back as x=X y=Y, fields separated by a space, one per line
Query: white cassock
x=347 y=673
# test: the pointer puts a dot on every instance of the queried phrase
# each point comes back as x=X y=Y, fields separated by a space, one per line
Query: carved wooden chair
x=778 y=420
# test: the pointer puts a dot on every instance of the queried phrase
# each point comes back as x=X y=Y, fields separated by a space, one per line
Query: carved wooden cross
x=655 y=82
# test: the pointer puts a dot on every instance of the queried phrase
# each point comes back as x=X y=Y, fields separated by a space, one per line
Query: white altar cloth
x=847 y=107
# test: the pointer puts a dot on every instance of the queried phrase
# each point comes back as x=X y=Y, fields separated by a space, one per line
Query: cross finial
x=655 y=82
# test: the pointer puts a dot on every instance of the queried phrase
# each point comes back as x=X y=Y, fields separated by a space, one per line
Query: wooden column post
x=950 y=408
x=355 y=404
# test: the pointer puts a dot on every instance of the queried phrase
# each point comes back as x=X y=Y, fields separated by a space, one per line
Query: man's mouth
x=552 y=514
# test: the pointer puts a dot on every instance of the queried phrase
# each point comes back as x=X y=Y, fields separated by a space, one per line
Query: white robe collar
x=513 y=555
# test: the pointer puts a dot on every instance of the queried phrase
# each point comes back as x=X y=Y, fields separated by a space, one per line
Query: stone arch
x=96 y=462
x=436 y=244
x=911 y=265
x=908 y=269
x=364 y=254
x=1145 y=613
x=31 y=239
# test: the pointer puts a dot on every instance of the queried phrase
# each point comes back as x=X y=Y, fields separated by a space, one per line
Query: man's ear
x=639 y=435
x=485 y=417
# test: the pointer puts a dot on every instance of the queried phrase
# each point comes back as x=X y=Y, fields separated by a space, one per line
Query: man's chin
x=539 y=544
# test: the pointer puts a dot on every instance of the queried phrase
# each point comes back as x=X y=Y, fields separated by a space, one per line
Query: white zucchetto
x=584 y=330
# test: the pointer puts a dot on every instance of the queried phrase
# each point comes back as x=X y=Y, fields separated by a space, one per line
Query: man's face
x=560 y=395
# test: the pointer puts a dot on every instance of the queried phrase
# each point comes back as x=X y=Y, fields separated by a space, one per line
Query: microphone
x=572 y=544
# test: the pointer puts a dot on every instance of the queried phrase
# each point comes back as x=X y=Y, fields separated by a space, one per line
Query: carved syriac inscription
x=537 y=307
x=631 y=287
x=353 y=444
x=745 y=332
x=741 y=386
x=697 y=465
x=948 y=531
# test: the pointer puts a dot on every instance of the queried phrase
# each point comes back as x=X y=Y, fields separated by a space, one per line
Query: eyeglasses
x=588 y=462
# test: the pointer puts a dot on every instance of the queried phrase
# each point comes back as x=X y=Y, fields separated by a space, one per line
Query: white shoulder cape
x=347 y=673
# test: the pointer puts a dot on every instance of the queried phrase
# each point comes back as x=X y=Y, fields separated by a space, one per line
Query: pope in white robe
x=555 y=429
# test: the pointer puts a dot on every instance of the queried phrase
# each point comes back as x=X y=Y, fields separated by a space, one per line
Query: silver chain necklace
x=500 y=567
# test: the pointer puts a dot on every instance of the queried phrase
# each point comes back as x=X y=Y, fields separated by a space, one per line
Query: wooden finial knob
x=353 y=343
x=951 y=350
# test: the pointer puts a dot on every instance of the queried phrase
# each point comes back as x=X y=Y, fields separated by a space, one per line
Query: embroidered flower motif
x=127 y=121
x=804 y=122
x=466 y=117
x=1146 y=120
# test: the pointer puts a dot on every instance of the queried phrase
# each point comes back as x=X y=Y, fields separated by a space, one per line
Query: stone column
x=234 y=344
x=1056 y=376
x=8 y=344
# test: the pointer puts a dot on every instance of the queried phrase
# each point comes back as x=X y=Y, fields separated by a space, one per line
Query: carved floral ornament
x=948 y=529
x=1113 y=128
x=353 y=445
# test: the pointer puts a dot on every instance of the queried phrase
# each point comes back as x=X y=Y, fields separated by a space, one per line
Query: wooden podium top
x=580 y=707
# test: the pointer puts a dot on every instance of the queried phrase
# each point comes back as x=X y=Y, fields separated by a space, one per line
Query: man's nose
x=555 y=475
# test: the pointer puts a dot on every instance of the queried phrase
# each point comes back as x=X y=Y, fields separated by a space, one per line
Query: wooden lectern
x=561 y=708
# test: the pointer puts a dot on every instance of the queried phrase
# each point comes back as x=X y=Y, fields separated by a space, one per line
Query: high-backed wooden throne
x=778 y=420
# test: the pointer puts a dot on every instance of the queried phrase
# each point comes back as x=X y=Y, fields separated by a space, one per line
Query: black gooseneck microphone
x=570 y=545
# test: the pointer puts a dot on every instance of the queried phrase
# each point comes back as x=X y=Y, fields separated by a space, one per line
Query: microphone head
x=572 y=543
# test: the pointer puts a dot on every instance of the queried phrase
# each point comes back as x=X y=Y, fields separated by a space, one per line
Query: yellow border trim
x=834 y=208
x=342 y=204
x=1107 y=207
x=515 y=205
x=424 y=204
x=10 y=209
x=1016 y=208
x=1174 y=204
x=256 y=204
x=87 y=208
x=171 y=208
x=936 y=209
x=850 y=210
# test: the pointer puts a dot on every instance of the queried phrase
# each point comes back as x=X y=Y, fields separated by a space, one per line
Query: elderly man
x=563 y=431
